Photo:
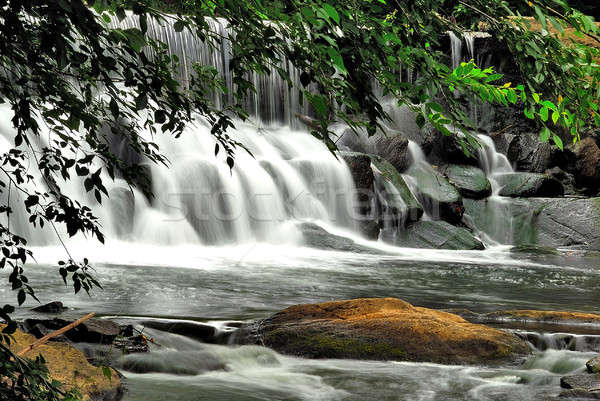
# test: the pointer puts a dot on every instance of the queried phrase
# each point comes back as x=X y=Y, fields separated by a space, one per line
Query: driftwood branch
x=55 y=334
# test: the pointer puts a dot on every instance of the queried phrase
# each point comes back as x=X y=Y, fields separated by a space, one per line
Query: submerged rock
x=51 y=307
x=438 y=235
x=69 y=366
x=526 y=185
x=382 y=329
x=197 y=331
x=470 y=181
x=552 y=222
x=438 y=197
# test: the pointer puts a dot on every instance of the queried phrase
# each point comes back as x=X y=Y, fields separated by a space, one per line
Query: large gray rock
x=470 y=181
x=317 y=237
x=438 y=235
x=414 y=211
x=525 y=185
x=438 y=197
x=554 y=222
x=586 y=382
x=395 y=150
x=528 y=153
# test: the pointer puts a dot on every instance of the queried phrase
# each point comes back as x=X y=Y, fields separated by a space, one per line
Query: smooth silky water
x=224 y=284
x=239 y=256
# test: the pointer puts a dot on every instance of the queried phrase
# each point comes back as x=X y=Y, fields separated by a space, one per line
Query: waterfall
x=290 y=176
x=274 y=101
x=498 y=209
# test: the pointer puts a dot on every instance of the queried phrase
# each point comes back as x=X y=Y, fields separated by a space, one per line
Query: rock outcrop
x=527 y=185
x=439 y=198
x=553 y=222
x=438 y=235
x=382 y=329
x=470 y=181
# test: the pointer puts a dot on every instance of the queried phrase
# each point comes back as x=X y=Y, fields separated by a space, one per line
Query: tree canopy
x=68 y=70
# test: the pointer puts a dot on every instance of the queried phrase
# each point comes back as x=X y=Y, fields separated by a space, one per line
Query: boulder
x=552 y=222
x=580 y=394
x=453 y=149
x=317 y=237
x=587 y=164
x=51 y=307
x=527 y=153
x=526 y=185
x=593 y=365
x=470 y=181
x=395 y=150
x=438 y=235
x=197 y=331
x=362 y=175
x=382 y=329
x=439 y=198
x=414 y=211
x=97 y=331
x=541 y=316
x=69 y=366
x=586 y=382
x=566 y=179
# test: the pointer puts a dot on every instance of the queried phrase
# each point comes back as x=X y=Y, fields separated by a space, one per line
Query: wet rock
x=545 y=316
x=593 y=365
x=382 y=329
x=394 y=149
x=438 y=235
x=580 y=394
x=97 y=331
x=566 y=179
x=528 y=153
x=587 y=164
x=414 y=211
x=439 y=198
x=586 y=382
x=453 y=149
x=69 y=366
x=51 y=307
x=194 y=330
x=553 y=222
x=526 y=185
x=362 y=175
x=317 y=237
x=470 y=181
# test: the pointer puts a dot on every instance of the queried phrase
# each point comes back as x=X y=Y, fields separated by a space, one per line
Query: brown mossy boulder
x=382 y=329
x=69 y=366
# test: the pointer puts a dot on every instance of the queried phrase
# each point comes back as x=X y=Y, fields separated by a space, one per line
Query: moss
x=322 y=345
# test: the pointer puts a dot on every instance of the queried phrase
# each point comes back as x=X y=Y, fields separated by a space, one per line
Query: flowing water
x=223 y=247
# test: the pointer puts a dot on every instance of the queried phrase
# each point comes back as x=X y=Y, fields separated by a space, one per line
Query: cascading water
x=290 y=176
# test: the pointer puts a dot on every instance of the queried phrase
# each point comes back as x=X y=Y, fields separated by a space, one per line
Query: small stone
x=593 y=365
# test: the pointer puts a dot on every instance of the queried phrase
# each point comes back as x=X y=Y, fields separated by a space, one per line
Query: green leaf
x=179 y=26
x=337 y=59
x=106 y=371
x=333 y=14
x=544 y=114
x=555 y=116
x=557 y=141
x=545 y=134
x=136 y=39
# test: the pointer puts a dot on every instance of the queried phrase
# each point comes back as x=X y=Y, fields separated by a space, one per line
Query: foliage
x=75 y=81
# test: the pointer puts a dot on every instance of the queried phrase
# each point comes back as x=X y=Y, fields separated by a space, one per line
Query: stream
x=219 y=285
